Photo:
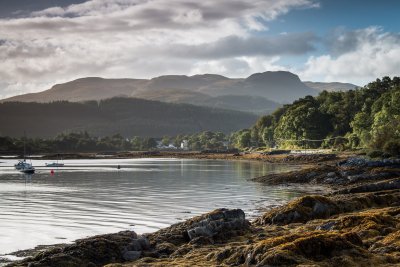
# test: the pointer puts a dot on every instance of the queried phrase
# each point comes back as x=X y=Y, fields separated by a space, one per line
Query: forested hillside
x=368 y=117
x=126 y=116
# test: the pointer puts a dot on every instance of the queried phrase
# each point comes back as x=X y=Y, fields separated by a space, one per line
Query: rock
x=300 y=210
x=138 y=244
x=331 y=174
x=201 y=240
x=217 y=222
x=94 y=251
x=292 y=249
x=131 y=255
x=144 y=243
x=150 y=254
x=362 y=162
x=326 y=227
x=372 y=187
x=321 y=210
x=165 y=248
x=134 y=245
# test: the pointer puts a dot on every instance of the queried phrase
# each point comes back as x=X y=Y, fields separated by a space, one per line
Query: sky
x=45 y=42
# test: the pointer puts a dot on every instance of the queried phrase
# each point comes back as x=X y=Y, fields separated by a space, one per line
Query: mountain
x=330 y=87
x=127 y=116
x=254 y=104
x=277 y=87
x=91 y=88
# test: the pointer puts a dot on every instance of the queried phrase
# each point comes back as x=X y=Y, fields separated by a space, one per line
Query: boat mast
x=24 y=144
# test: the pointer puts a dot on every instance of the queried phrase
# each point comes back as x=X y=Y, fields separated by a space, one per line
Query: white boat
x=24 y=166
x=27 y=168
x=54 y=164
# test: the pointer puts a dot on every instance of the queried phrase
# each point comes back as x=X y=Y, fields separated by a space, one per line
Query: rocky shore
x=356 y=224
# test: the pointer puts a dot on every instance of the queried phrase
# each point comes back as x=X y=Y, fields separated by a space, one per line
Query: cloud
x=233 y=46
x=342 y=41
x=141 y=38
x=238 y=67
x=361 y=56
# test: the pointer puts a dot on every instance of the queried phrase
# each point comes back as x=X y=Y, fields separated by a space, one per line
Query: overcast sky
x=45 y=42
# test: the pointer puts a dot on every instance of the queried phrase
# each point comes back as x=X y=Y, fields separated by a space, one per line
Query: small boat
x=54 y=164
x=28 y=168
x=21 y=165
x=24 y=166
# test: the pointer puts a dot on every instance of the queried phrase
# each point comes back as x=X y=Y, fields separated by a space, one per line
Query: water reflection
x=90 y=197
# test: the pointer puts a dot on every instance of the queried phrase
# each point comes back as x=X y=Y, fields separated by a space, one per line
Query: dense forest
x=83 y=142
x=126 y=116
x=368 y=117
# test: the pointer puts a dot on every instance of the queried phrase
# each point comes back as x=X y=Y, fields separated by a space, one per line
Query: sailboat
x=24 y=166
x=55 y=164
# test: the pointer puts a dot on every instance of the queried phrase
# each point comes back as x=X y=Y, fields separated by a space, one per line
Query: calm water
x=94 y=197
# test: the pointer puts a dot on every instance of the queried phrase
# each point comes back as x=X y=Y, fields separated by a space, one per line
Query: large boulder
x=219 y=222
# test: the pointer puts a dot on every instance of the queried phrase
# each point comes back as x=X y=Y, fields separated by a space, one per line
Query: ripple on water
x=93 y=197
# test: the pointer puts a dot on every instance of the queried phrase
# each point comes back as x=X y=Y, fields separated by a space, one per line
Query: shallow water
x=88 y=197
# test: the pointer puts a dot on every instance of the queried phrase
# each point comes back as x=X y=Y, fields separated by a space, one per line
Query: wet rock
x=300 y=210
x=144 y=243
x=368 y=176
x=138 y=244
x=218 y=222
x=309 y=246
x=93 y=251
x=165 y=248
x=131 y=255
x=331 y=174
x=372 y=187
x=201 y=240
x=363 y=162
x=326 y=227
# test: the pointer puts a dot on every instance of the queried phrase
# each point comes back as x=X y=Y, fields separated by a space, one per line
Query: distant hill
x=254 y=104
x=278 y=86
x=330 y=87
x=127 y=116
x=275 y=87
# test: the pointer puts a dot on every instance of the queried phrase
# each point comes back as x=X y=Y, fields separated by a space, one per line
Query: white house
x=185 y=145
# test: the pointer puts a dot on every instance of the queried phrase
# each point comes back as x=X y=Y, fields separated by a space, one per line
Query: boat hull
x=28 y=171
x=54 y=165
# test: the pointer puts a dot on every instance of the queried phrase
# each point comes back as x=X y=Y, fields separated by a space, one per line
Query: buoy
x=118 y=167
x=52 y=172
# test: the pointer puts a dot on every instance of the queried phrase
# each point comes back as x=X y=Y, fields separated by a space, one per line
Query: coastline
x=351 y=225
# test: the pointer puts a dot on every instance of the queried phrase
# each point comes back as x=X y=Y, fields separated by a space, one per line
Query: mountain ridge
x=272 y=87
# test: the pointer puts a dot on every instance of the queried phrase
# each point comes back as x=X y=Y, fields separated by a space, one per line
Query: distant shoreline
x=281 y=158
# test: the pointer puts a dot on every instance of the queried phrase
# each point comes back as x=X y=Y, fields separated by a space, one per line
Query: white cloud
x=363 y=56
x=133 y=38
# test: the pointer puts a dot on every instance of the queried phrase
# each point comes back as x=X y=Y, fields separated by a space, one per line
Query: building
x=185 y=145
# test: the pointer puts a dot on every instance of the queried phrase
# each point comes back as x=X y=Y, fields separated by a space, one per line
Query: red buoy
x=52 y=172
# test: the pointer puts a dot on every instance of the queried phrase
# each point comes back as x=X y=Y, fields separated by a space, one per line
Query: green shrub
x=375 y=154
x=392 y=147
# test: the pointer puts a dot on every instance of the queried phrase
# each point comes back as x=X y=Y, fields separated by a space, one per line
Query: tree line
x=367 y=117
x=83 y=142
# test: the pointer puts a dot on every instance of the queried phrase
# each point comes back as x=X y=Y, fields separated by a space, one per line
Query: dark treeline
x=83 y=142
x=75 y=142
x=126 y=116
x=367 y=117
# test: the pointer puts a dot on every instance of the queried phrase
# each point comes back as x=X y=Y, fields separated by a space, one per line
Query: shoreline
x=366 y=191
x=311 y=158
